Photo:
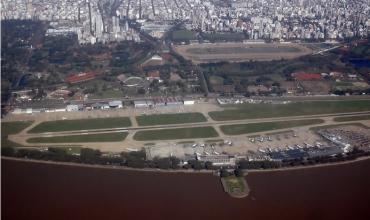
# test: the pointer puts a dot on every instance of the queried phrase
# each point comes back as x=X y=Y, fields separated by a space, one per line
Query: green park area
x=352 y=118
x=101 y=137
x=183 y=35
x=163 y=119
x=8 y=128
x=252 y=111
x=266 y=126
x=178 y=133
x=81 y=124
x=223 y=36
x=235 y=186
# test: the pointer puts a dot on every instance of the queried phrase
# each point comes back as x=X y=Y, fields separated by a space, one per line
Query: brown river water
x=46 y=191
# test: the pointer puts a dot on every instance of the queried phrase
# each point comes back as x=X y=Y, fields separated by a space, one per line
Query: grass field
x=71 y=150
x=163 y=119
x=104 y=137
x=223 y=36
x=81 y=124
x=266 y=126
x=183 y=35
x=15 y=127
x=352 y=118
x=251 y=111
x=338 y=125
x=107 y=94
x=178 y=133
x=8 y=128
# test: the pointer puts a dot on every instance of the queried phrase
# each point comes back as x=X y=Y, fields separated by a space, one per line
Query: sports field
x=266 y=126
x=238 y=52
x=252 y=111
x=103 y=137
x=178 y=133
x=163 y=119
x=81 y=124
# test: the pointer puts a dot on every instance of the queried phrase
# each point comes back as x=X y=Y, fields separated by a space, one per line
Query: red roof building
x=81 y=77
x=302 y=76
x=154 y=75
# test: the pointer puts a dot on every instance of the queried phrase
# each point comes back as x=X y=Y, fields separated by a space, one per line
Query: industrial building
x=189 y=102
x=143 y=103
x=173 y=101
x=74 y=108
x=115 y=104
x=218 y=160
x=99 y=105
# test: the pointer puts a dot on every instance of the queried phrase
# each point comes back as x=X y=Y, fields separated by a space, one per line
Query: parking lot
x=237 y=145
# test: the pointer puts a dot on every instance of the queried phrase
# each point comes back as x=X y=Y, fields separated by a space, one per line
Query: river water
x=44 y=191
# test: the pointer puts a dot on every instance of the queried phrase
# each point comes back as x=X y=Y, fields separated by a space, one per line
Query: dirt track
x=239 y=52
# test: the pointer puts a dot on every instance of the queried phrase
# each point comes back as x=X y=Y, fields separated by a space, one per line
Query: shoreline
x=192 y=171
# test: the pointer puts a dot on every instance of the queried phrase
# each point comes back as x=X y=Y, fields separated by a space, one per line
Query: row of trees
x=138 y=159
x=91 y=156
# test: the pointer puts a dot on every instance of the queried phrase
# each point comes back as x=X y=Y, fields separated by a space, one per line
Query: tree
x=141 y=91
x=238 y=172
x=224 y=173
x=209 y=165
x=162 y=163
x=7 y=151
x=196 y=165
x=90 y=155
x=154 y=85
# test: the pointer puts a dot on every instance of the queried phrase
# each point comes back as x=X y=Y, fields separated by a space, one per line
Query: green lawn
x=352 y=118
x=14 y=127
x=250 y=111
x=71 y=150
x=266 y=126
x=178 y=133
x=103 y=137
x=81 y=124
x=110 y=93
x=183 y=35
x=8 y=128
x=163 y=119
x=234 y=183
x=338 y=125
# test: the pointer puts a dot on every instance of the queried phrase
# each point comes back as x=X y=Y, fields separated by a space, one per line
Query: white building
x=115 y=104
x=189 y=102
x=143 y=103
x=72 y=108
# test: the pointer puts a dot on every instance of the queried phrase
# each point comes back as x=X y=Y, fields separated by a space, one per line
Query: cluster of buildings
x=91 y=20
x=100 y=21
x=267 y=19
x=232 y=101
x=162 y=101
x=58 y=106
x=52 y=105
